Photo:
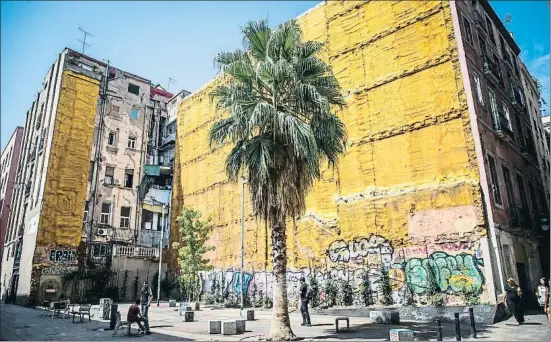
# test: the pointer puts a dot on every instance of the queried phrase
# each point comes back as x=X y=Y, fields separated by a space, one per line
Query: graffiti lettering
x=376 y=250
x=58 y=270
x=62 y=256
x=458 y=273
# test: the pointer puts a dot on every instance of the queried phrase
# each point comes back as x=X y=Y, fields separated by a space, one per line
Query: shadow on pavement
x=423 y=331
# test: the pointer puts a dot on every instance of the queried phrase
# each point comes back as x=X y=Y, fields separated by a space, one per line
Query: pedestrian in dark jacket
x=514 y=300
x=304 y=300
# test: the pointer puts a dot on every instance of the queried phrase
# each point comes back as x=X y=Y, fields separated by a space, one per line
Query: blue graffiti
x=237 y=282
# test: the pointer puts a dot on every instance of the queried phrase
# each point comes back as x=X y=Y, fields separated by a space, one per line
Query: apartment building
x=88 y=135
x=540 y=136
x=441 y=167
x=504 y=99
x=8 y=167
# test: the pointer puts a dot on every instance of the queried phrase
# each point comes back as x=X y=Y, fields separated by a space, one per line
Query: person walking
x=541 y=291
x=546 y=305
x=304 y=300
x=146 y=295
x=514 y=300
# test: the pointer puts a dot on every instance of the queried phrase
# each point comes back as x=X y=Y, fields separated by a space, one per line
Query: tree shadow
x=423 y=331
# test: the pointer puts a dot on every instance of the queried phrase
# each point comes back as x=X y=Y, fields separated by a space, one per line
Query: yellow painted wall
x=60 y=226
x=409 y=179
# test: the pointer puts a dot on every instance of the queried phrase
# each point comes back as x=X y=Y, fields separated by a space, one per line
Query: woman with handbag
x=514 y=300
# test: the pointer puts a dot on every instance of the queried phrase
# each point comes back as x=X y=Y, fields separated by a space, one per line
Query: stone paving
x=18 y=323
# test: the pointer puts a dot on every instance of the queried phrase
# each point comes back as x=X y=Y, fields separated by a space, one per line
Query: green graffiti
x=454 y=274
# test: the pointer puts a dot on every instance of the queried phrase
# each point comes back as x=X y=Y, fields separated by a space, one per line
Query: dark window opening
x=134 y=89
x=129 y=178
x=468 y=31
x=495 y=182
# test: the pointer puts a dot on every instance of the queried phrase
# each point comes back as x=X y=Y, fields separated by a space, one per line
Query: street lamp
x=243 y=182
x=161 y=253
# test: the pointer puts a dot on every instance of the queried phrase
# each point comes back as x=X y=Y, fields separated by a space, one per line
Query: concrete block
x=229 y=328
x=385 y=317
x=215 y=327
x=195 y=306
x=401 y=335
x=250 y=315
x=172 y=303
x=240 y=326
x=183 y=308
x=188 y=316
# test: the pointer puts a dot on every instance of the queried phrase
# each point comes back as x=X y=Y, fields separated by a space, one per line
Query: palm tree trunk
x=280 y=329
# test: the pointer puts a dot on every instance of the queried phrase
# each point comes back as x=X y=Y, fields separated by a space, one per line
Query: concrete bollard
x=250 y=315
x=105 y=308
x=229 y=328
x=184 y=308
x=195 y=306
x=215 y=327
x=240 y=326
x=188 y=316
x=172 y=303
x=401 y=335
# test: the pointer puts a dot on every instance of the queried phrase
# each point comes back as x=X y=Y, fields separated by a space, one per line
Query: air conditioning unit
x=116 y=182
x=102 y=232
x=108 y=181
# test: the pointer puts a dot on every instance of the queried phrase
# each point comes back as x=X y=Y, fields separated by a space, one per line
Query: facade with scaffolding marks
x=88 y=136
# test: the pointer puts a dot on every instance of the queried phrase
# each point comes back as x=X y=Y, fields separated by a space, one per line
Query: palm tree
x=279 y=96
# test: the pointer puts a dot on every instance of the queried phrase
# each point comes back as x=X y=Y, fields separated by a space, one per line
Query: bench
x=58 y=307
x=83 y=310
x=121 y=323
x=342 y=319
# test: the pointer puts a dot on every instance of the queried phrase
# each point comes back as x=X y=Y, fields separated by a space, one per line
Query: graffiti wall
x=404 y=197
x=457 y=268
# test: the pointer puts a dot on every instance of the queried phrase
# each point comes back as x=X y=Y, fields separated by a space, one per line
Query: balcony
x=135 y=252
x=502 y=126
x=528 y=149
x=517 y=100
x=491 y=70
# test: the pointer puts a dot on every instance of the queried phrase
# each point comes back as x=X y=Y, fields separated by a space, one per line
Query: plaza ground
x=19 y=323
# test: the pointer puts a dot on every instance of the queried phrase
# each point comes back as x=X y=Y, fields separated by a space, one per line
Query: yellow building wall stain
x=60 y=225
x=410 y=152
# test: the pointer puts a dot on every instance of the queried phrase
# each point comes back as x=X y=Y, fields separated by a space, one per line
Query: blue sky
x=158 y=40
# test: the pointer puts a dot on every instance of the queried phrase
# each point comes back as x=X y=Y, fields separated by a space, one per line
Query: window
x=85 y=218
x=129 y=178
x=134 y=89
x=490 y=30
x=134 y=114
x=125 y=217
x=495 y=182
x=105 y=213
x=493 y=103
x=522 y=192
x=109 y=174
x=115 y=108
x=147 y=219
x=508 y=187
x=112 y=139
x=132 y=143
x=478 y=88
x=482 y=43
x=468 y=31
x=506 y=113
x=101 y=250
x=91 y=171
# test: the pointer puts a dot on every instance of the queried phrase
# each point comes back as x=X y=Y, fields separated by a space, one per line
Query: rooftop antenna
x=170 y=81
x=86 y=34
